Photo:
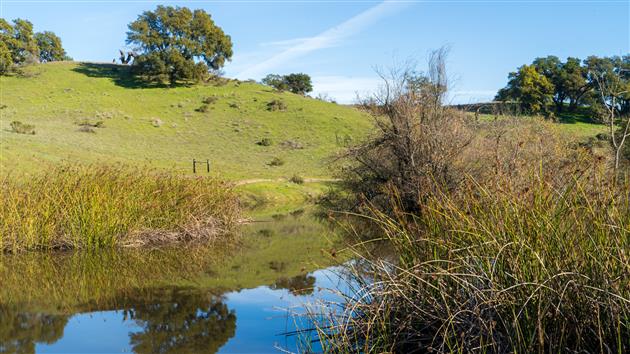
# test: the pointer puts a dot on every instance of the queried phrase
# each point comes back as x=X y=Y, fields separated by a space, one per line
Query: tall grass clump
x=496 y=272
x=94 y=206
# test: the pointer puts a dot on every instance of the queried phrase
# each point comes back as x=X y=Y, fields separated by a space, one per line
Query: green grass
x=95 y=207
x=56 y=97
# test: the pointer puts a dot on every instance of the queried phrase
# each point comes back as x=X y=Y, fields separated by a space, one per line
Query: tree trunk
x=559 y=107
x=572 y=104
x=559 y=103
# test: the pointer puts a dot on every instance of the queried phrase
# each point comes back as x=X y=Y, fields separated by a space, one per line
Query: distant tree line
x=20 y=46
x=298 y=83
x=550 y=85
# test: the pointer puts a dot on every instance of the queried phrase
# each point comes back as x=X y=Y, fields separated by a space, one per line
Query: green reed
x=546 y=270
x=106 y=206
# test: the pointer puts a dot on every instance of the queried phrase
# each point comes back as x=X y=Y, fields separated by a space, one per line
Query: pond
x=243 y=297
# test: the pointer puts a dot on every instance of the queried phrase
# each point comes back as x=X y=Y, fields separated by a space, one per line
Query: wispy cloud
x=286 y=43
x=329 y=38
x=471 y=96
x=345 y=89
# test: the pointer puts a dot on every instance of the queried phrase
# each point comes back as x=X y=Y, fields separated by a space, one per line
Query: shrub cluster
x=276 y=161
x=297 y=179
x=22 y=128
x=276 y=105
x=210 y=100
x=203 y=108
x=265 y=142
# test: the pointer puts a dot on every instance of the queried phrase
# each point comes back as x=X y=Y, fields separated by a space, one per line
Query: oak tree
x=528 y=87
x=175 y=43
x=50 y=48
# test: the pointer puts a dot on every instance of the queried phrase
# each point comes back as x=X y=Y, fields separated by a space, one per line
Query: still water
x=239 y=298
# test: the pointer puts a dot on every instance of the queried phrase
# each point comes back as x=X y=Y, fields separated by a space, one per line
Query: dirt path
x=260 y=180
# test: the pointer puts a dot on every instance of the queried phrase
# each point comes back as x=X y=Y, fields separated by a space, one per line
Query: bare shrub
x=22 y=128
x=296 y=179
x=418 y=141
x=91 y=123
x=276 y=105
x=210 y=99
x=265 y=142
x=105 y=115
x=611 y=88
x=156 y=122
x=203 y=108
x=292 y=144
x=503 y=152
x=86 y=129
x=276 y=161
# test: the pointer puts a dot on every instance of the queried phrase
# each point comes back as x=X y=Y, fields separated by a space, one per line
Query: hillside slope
x=161 y=127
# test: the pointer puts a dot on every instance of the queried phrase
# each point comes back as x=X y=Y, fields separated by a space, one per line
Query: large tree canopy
x=551 y=68
x=299 y=83
x=50 y=48
x=529 y=87
x=25 y=49
x=19 y=42
x=19 y=46
x=175 y=43
x=615 y=72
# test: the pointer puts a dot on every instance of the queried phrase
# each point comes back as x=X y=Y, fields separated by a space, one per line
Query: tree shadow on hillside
x=121 y=75
x=586 y=117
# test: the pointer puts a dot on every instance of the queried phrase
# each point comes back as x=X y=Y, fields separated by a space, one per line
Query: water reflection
x=182 y=300
x=299 y=285
x=20 y=331
x=167 y=320
x=179 y=321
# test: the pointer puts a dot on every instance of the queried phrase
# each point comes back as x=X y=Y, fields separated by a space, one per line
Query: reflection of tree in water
x=180 y=321
x=300 y=285
x=20 y=331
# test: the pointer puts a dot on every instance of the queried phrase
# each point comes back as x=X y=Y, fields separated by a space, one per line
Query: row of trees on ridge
x=19 y=45
x=551 y=85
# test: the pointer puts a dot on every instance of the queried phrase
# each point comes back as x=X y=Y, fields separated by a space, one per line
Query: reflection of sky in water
x=261 y=320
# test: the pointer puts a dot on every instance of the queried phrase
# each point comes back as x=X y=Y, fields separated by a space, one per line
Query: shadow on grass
x=580 y=115
x=121 y=75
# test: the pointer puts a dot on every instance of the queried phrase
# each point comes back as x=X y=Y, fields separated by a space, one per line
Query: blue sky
x=339 y=43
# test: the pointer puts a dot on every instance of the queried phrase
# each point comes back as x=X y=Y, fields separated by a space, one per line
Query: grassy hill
x=98 y=113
